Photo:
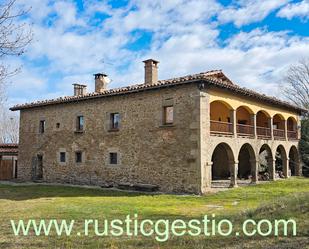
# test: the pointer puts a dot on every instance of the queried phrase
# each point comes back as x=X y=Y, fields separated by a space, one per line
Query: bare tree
x=9 y=126
x=15 y=35
x=296 y=84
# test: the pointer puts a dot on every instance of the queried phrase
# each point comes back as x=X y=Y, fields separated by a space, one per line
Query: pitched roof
x=214 y=78
x=8 y=149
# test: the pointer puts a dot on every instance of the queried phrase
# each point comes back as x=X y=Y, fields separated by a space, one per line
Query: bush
x=304 y=146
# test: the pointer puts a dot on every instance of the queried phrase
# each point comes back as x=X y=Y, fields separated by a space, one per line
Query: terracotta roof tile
x=211 y=78
x=8 y=149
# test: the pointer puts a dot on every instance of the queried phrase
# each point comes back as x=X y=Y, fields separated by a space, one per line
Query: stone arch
x=220 y=111
x=278 y=121
x=263 y=124
x=281 y=167
x=294 y=161
x=292 y=128
x=222 y=158
x=246 y=162
x=291 y=124
x=245 y=122
x=266 y=163
x=244 y=113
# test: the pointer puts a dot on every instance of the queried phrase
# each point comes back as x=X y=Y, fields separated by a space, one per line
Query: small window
x=114 y=119
x=62 y=157
x=168 y=115
x=42 y=126
x=113 y=158
x=80 y=123
x=78 y=156
x=58 y=125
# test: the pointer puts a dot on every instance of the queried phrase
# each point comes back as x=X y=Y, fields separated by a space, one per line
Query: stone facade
x=150 y=152
x=178 y=157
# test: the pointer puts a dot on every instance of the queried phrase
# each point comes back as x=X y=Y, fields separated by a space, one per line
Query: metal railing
x=263 y=131
x=218 y=127
x=245 y=129
x=292 y=135
x=278 y=133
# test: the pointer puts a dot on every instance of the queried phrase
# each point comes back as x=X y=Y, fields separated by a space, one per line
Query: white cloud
x=300 y=9
x=250 y=11
x=185 y=40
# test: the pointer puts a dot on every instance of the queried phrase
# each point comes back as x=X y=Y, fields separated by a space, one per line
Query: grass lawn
x=282 y=199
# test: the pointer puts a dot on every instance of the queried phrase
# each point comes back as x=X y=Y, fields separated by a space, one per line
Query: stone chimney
x=151 y=71
x=101 y=82
x=79 y=90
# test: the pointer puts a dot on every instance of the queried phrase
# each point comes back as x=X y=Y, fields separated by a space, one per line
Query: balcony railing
x=278 y=133
x=292 y=135
x=246 y=130
x=218 y=127
x=264 y=132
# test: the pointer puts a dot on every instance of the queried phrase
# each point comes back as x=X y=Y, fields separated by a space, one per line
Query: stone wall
x=150 y=153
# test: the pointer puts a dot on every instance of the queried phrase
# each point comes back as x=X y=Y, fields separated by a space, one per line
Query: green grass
x=277 y=200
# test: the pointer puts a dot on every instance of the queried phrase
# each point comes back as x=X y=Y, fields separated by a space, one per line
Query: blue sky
x=252 y=41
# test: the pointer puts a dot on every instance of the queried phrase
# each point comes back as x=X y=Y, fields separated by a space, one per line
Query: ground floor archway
x=281 y=168
x=222 y=157
x=246 y=163
x=294 y=162
x=266 y=163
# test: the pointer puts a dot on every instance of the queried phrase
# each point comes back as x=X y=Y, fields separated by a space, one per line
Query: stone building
x=178 y=134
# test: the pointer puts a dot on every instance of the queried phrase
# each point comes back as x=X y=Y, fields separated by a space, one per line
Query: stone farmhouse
x=178 y=134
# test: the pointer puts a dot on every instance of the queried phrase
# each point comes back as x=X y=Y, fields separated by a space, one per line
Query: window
x=42 y=126
x=58 y=125
x=80 y=123
x=113 y=158
x=168 y=117
x=114 y=119
x=78 y=156
x=62 y=157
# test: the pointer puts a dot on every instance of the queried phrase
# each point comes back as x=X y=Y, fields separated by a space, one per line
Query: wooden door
x=6 y=169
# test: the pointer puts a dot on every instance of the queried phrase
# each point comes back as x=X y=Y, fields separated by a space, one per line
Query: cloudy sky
x=252 y=41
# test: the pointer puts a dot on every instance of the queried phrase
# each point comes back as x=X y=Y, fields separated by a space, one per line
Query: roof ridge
x=216 y=77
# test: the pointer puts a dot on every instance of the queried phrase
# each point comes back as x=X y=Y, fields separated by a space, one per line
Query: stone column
x=271 y=128
x=285 y=165
x=254 y=125
x=272 y=168
x=234 y=122
x=254 y=171
x=233 y=165
x=206 y=183
x=286 y=129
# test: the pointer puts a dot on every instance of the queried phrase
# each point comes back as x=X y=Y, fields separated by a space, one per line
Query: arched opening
x=244 y=116
x=222 y=157
x=265 y=163
x=263 y=124
x=292 y=128
x=279 y=126
x=246 y=163
x=220 y=117
x=294 y=162
x=281 y=168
